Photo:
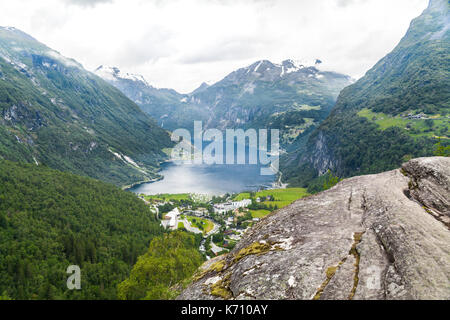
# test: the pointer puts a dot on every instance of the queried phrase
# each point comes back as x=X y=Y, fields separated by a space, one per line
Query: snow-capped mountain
x=167 y=106
x=263 y=94
x=114 y=74
x=259 y=94
x=265 y=70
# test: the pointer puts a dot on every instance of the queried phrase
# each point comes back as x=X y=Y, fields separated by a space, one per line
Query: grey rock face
x=370 y=237
x=430 y=187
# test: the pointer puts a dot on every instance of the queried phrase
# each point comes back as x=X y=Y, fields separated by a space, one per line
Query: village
x=221 y=221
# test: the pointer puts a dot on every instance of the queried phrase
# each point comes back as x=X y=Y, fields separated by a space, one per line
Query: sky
x=181 y=43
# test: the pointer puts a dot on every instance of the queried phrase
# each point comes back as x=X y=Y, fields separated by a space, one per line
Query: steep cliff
x=384 y=236
x=396 y=112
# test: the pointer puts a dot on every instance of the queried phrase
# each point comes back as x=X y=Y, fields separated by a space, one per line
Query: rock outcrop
x=383 y=236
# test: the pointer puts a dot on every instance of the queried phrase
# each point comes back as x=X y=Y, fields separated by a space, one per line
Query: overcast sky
x=181 y=43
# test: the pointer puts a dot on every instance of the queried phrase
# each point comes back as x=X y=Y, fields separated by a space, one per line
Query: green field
x=202 y=224
x=307 y=107
x=440 y=125
x=283 y=197
x=197 y=198
x=168 y=197
x=259 y=213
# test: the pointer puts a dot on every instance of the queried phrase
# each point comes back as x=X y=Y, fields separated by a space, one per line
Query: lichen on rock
x=370 y=237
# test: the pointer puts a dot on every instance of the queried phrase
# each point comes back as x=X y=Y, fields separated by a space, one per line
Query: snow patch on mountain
x=127 y=160
x=257 y=66
x=114 y=74
x=9 y=28
x=249 y=88
x=290 y=66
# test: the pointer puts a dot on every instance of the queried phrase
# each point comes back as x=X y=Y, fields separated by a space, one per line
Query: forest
x=50 y=220
x=165 y=269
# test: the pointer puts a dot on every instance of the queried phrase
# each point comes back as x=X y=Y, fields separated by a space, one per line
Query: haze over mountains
x=291 y=96
x=394 y=113
x=61 y=124
x=104 y=135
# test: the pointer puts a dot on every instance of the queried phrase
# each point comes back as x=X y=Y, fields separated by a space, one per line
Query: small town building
x=231 y=206
x=171 y=219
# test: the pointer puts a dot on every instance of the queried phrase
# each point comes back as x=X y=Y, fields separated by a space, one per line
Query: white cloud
x=87 y=3
x=182 y=43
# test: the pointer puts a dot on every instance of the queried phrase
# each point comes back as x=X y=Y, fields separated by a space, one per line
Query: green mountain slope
x=53 y=111
x=397 y=111
x=50 y=220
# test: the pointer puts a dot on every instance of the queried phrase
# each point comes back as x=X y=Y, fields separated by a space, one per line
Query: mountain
x=266 y=94
x=377 y=237
x=291 y=96
x=166 y=105
x=50 y=220
x=395 y=112
x=202 y=88
x=56 y=113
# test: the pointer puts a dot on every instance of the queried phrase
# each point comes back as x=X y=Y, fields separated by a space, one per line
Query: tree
x=429 y=123
x=218 y=237
x=331 y=181
x=4 y=296
x=89 y=223
x=3 y=221
x=442 y=151
x=170 y=260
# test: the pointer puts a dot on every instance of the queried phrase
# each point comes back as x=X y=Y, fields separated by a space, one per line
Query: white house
x=172 y=218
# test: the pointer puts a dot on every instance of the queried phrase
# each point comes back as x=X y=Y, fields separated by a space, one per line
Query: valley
x=290 y=96
x=350 y=198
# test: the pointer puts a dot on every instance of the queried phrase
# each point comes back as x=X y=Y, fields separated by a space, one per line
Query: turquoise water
x=214 y=179
x=208 y=179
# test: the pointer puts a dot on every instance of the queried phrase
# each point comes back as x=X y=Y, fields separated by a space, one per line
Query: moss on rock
x=221 y=288
x=256 y=248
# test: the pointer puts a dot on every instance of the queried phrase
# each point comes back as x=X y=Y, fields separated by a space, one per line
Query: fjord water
x=207 y=179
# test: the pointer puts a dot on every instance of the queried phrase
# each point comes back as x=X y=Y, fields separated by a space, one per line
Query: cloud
x=239 y=48
x=87 y=3
x=181 y=43
x=148 y=48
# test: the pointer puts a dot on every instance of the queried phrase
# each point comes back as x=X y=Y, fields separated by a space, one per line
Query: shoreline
x=158 y=170
x=276 y=184
x=128 y=187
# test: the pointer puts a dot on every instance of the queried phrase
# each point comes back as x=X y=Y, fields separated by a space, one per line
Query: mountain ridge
x=55 y=112
x=395 y=112
x=261 y=95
